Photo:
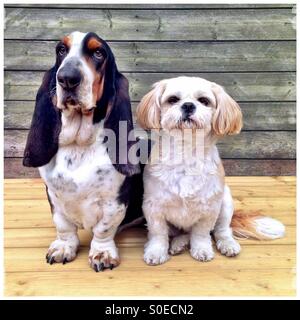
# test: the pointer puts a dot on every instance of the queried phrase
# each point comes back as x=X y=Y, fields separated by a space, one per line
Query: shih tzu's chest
x=194 y=183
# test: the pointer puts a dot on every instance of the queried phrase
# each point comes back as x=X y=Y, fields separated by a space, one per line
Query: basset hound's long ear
x=119 y=110
x=42 y=140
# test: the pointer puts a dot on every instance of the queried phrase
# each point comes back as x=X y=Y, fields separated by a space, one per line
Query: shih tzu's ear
x=42 y=140
x=227 y=119
x=148 y=110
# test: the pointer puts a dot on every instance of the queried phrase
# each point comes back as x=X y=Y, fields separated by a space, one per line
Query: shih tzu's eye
x=173 y=100
x=204 y=101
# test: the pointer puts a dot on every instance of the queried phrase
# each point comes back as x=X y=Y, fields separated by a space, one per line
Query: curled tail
x=256 y=226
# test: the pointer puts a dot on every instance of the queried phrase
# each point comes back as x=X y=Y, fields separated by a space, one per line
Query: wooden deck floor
x=265 y=268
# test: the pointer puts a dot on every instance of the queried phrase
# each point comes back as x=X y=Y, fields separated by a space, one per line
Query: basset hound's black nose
x=69 y=78
x=188 y=108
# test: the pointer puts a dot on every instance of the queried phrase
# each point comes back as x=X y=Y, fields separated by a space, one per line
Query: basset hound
x=82 y=97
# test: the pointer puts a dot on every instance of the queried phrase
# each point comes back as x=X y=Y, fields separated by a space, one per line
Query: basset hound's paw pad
x=155 y=255
x=62 y=251
x=229 y=247
x=202 y=253
x=179 y=244
x=100 y=261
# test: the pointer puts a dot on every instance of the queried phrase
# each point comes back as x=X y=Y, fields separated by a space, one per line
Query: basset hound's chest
x=81 y=179
x=81 y=167
x=77 y=169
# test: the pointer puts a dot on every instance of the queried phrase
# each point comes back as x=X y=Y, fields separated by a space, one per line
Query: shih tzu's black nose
x=69 y=78
x=188 y=108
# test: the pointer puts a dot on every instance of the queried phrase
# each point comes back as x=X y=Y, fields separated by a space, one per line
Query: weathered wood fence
x=249 y=49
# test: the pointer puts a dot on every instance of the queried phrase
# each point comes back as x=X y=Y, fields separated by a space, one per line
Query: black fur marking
x=49 y=200
x=131 y=195
x=42 y=140
x=115 y=95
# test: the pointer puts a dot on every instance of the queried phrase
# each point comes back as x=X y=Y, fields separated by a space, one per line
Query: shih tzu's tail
x=256 y=226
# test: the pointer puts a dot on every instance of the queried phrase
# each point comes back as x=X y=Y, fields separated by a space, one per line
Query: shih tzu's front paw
x=156 y=253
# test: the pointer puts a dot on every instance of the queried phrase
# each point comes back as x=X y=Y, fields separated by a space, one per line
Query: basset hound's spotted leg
x=103 y=252
x=64 y=248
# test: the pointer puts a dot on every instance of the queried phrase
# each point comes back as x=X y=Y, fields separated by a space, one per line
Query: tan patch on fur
x=54 y=100
x=98 y=83
x=244 y=227
x=228 y=117
x=93 y=44
x=104 y=257
x=148 y=110
x=67 y=41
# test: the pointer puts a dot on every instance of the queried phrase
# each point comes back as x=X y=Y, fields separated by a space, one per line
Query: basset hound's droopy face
x=82 y=59
x=85 y=82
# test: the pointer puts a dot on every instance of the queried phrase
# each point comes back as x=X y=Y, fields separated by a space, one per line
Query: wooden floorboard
x=264 y=268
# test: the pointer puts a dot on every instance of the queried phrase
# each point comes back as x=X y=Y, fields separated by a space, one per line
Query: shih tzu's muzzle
x=187 y=110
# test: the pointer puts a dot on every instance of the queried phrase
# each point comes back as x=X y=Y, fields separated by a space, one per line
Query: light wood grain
x=264 y=268
x=280 y=208
x=266 y=282
x=253 y=258
x=27 y=238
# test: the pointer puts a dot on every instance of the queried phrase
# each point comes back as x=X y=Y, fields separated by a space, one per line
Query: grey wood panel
x=247 y=145
x=242 y=86
x=168 y=56
x=197 y=24
x=156 y=41
x=13 y=168
x=257 y=115
x=150 y=6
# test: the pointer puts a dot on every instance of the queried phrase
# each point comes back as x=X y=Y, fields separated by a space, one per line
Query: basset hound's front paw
x=103 y=258
x=62 y=251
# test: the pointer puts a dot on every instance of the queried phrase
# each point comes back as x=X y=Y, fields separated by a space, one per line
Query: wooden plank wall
x=249 y=49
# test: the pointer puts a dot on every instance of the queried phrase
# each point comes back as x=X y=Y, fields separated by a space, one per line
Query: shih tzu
x=191 y=195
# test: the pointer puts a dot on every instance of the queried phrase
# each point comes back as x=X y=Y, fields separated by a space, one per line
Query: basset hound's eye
x=204 y=101
x=62 y=50
x=173 y=100
x=98 y=54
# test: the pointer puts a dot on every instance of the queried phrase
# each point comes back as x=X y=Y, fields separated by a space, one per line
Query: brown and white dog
x=192 y=194
x=82 y=97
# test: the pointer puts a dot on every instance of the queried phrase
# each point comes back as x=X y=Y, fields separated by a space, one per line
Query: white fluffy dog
x=192 y=195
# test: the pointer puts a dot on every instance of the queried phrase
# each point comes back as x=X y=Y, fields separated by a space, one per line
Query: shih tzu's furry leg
x=201 y=244
x=156 y=249
x=179 y=244
x=225 y=242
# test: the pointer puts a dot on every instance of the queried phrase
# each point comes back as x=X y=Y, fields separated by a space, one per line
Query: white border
x=1 y=174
